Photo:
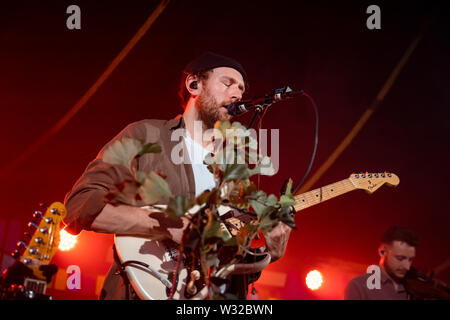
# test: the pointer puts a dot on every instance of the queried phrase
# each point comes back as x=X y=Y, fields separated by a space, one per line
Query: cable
x=316 y=142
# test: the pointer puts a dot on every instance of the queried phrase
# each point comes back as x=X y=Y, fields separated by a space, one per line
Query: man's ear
x=193 y=85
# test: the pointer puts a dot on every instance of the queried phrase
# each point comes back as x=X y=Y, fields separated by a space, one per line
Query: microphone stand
x=258 y=110
x=268 y=100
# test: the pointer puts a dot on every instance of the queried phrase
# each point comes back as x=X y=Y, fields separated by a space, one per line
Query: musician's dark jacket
x=87 y=197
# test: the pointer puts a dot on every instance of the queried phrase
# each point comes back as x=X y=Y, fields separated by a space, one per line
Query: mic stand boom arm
x=259 y=104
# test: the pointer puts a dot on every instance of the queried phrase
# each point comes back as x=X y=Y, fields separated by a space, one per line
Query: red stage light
x=314 y=280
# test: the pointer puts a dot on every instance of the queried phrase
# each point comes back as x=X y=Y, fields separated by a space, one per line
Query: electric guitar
x=150 y=264
x=27 y=278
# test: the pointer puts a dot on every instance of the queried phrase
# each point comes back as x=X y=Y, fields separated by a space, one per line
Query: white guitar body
x=154 y=280
x=147 y=284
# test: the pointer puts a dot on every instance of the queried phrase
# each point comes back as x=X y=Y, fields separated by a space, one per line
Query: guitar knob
x=191 y=287
x=195 y=274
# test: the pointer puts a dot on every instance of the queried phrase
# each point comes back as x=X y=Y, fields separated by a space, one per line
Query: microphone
x=281 y=94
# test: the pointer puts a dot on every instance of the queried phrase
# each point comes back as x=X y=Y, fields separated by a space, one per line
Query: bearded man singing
x=209 y=83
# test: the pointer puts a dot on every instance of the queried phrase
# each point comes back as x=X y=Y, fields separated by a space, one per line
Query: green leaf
x=236 y=171
x=271 y=200
x=122 y=152
x=154 y=188
x=150 y=148
x=123 y=193
x=268 y=221
x=178 y=206
x=212 y=229
x=287 y=199
x=259 y=207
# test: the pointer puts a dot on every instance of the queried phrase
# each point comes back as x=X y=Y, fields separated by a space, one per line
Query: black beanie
x=210 y=60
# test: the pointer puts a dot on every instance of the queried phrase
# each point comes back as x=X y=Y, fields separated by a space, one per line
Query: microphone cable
x=316 y=141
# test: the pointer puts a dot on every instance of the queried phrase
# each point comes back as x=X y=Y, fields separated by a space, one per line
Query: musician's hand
x=277 y=240
x=128 y=220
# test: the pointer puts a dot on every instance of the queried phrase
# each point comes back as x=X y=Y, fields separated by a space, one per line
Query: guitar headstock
x=42 y=240
x=372 y=181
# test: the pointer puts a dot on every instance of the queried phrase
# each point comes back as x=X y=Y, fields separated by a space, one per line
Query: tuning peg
x=43 y=230
x=27 y=235
x=32 y=225
x=37 y=214
x=376 y=175
x=49 y=220
x=22 y=244
x=15 y=254
x=54 y=211
x=39 y=240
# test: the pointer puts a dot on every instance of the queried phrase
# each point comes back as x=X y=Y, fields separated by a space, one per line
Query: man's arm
x=87 y=207
x=128 y=220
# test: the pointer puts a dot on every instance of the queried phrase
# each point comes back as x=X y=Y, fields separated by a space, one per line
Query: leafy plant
x=206 y=241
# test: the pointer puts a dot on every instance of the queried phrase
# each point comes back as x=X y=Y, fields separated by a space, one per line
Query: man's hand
x=129 y=220
x=277 y=240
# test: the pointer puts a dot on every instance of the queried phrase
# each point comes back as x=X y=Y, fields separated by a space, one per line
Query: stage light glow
x=66 y=241
x=314 y=280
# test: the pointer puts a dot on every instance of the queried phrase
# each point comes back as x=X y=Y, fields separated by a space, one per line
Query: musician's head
x=397 y=251
x=209 y=83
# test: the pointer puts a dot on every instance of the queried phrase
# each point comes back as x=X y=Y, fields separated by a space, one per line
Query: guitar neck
x=316 y=196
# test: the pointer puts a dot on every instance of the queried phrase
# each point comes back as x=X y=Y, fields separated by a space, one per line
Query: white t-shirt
x=203 y=178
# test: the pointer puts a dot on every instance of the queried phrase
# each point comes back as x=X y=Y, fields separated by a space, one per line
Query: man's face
x=223 y=86
x=398 y=258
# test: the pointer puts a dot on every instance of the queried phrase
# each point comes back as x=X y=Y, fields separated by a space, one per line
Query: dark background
x=323 y=47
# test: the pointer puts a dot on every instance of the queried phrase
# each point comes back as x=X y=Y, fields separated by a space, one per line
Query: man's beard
x=392 y=273
x=209 y=110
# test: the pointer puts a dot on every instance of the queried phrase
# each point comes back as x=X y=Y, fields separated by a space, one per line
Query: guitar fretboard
x=316 y=196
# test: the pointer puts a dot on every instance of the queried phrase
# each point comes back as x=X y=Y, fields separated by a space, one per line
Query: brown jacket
x=87 y=197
